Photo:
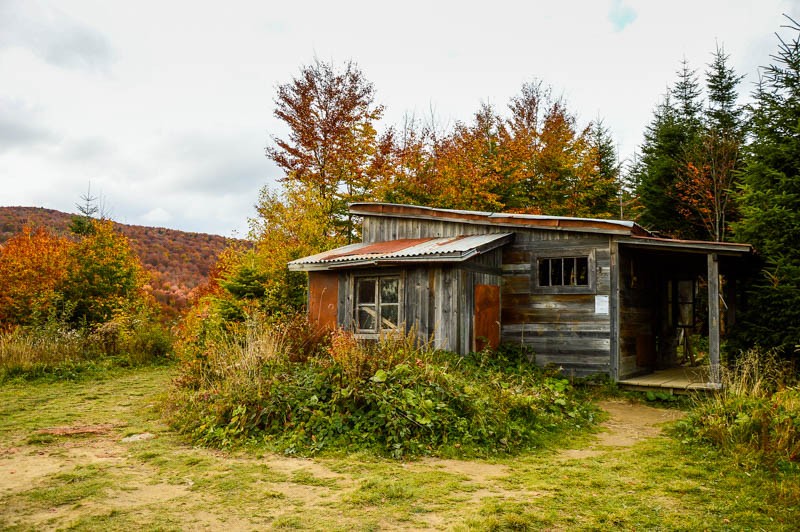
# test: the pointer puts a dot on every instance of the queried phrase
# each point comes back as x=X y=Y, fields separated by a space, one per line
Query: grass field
x=64 y=465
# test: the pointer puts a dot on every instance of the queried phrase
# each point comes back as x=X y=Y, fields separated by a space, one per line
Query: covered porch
x=671 y=295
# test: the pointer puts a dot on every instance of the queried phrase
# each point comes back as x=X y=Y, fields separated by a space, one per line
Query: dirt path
x=55 y=475
x=628 y=423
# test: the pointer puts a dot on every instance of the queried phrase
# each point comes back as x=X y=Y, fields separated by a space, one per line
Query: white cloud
x=53 y=35
x=177 y=122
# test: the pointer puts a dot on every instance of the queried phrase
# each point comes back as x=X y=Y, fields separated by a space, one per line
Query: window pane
x=365 y=291
x=389 y=290
x=389 y=316
x=544 y=272
x=366 y=318
x=569 y=272
x=582 y=271
x=555 y=272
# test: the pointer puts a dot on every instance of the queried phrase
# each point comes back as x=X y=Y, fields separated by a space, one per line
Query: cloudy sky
x=165 y=106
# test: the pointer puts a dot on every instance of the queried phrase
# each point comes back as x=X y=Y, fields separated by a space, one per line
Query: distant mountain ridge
x=179 y=261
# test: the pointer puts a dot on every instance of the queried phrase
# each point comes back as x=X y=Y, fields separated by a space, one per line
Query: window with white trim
x=377 y=304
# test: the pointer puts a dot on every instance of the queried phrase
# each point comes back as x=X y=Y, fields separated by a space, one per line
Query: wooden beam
x=713 y=317
x=614 y=311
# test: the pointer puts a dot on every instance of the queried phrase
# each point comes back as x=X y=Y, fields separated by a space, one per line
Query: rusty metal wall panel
x=487 y=316
x=323 y=298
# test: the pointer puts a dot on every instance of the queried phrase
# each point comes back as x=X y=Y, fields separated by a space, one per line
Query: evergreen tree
x=723 y=113
x=657 y=169
x=708 y=179
x=603 y=197
x=688 y=101
x=770 y=201
x=82 y=224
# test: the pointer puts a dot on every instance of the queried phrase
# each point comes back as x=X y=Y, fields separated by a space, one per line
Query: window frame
x=378 y=330
x=589 y=288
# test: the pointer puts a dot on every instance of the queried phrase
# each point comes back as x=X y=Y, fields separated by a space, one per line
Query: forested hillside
x=177 y=260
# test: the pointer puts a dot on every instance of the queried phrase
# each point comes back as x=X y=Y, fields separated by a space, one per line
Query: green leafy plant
x=392 y=396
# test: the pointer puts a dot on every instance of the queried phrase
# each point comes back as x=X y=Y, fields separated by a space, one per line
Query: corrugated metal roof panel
x=595 y=225
x=447 y=249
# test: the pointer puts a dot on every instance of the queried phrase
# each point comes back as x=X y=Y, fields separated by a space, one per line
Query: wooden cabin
x=591 y=296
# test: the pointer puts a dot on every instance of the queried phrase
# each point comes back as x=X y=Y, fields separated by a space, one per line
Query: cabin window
x=564 y=271
x=377 y=304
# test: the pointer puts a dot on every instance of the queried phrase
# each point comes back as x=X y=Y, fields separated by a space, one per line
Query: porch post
x=713 y=317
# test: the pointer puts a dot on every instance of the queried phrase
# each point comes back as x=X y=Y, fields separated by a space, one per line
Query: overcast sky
x=165 y=107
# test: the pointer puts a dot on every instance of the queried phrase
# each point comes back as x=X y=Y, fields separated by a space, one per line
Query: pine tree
x=603 y=196
x=708 y=178
x=770 y=201
x=655 y=172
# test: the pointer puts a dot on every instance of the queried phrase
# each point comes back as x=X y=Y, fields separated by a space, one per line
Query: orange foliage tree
x=33 y=264
x=333 y=150
x=536 y=161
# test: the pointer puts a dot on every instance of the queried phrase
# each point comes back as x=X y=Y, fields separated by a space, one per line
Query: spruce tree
x=654 y=173
x=708 y=174
x=673 y=133
x=770 y=201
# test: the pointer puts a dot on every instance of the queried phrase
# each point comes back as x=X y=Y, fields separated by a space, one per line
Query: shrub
x=55 y=348
x=391 y=396
x=756 y=414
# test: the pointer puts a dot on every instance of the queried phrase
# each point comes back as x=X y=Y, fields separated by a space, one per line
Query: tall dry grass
x=23 y=351
x=756 y=414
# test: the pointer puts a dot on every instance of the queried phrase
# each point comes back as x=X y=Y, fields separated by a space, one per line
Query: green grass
x=95 y=482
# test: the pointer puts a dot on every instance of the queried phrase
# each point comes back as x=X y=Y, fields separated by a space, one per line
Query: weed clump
x=392 y=396
x=54 y=349
x=756 y=414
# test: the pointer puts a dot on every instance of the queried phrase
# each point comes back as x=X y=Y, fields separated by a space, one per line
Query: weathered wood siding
x=381 y=229
x=437 y=300
x=563 y=329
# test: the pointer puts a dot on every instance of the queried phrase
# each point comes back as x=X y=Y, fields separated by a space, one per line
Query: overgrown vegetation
x=72 y=304
x=392 y=397
x=53 y=349
x=755 y=416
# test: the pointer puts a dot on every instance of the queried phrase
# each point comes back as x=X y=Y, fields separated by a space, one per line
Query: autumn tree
x=104 y=276
x=536 y=160
x=33 y=264
x=770 y=201
x=332 y=150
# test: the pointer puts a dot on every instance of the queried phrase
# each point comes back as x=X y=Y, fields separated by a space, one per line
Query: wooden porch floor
x=675 y=380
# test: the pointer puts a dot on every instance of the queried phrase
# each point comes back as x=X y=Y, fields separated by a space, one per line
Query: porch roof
x=402 y=251
x=687 y=246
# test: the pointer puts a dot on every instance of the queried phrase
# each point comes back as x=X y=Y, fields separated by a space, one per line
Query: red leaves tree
x=33 y=264
x=332 y=151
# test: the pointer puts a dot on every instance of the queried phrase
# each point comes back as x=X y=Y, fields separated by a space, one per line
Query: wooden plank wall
x=562 y=329
x=381 y=229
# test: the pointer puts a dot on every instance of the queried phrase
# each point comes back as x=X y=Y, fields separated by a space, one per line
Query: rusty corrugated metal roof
x=444 y=249
x=563 y=223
